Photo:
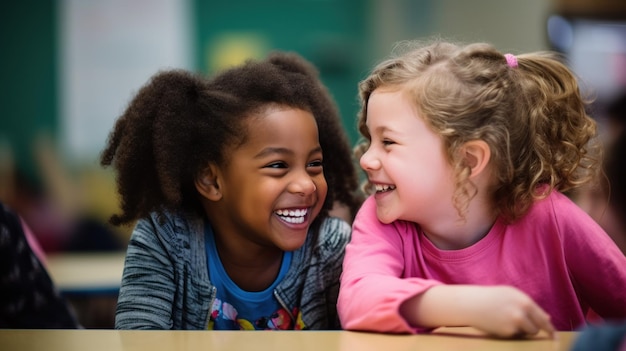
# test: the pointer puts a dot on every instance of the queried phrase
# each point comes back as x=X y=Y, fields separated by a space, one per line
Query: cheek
x=322 y=187
x=399 y=167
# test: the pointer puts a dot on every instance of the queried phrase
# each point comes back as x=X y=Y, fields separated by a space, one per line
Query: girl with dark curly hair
x=231 y=180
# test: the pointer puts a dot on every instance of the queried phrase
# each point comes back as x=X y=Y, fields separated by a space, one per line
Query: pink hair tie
x=511 y=60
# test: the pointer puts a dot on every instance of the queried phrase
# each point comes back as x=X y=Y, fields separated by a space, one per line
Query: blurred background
x=69 y=67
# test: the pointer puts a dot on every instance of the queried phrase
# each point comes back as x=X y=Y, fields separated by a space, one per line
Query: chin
x=385 y=217
x=293 y=245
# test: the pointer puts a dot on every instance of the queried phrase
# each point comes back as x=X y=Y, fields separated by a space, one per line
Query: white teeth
x=296 y=220
x=292 y=213
x=292 y=216
x=384 y=187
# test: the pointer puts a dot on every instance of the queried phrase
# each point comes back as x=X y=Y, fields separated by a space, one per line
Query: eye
x=315 y=167
x=316 y=163
x=387 y=142
x=277 y=165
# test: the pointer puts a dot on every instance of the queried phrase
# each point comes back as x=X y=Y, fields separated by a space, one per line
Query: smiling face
x=406 y=162
x=272 y=187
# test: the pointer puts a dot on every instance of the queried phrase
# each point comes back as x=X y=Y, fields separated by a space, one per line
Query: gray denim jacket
x=165 y=284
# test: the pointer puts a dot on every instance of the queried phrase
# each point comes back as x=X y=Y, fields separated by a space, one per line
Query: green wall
x=28 y=94
x=333 y=35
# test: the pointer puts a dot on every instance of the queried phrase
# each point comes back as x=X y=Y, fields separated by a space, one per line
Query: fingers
x=512 y=314
x=534 y=321
x=541 y=320
x=530 y=319
x=527 y=327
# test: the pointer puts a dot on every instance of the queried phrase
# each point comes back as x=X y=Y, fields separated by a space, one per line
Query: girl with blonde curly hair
x=468 y=152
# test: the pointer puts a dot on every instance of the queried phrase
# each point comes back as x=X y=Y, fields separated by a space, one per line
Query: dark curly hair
x=179 y=122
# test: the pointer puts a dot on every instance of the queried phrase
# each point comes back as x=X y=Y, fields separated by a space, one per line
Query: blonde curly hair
x=531 y=115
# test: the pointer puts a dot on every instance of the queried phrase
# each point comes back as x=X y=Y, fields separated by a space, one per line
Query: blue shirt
x=236 y=309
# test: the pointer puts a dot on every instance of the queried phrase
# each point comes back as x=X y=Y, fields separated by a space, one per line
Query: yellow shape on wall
x=230 y=49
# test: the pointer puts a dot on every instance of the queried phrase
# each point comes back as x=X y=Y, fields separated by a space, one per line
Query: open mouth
x=295 y=216
x=382 y=188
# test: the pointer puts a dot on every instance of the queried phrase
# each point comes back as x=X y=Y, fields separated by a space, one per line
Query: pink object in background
x=34 y=244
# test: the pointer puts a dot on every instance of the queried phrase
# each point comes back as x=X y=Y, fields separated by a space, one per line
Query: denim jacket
x=165 y=284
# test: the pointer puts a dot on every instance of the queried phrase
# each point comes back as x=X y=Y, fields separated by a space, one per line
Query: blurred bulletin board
x=109 y=49
x=595 y=50
x=332 y=34
x=69 y=67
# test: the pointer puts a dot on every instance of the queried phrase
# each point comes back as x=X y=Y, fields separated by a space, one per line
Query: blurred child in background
x=28 y=297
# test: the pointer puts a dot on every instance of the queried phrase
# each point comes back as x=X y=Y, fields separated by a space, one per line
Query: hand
x=505 y=311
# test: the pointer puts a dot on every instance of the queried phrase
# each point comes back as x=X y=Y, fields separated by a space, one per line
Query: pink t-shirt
x=556 y=254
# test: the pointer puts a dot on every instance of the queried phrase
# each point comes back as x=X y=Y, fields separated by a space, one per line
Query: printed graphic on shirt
x=225 y=317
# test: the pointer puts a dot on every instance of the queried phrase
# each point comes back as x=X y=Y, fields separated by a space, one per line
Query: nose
x=302 y=184
x=369 y=161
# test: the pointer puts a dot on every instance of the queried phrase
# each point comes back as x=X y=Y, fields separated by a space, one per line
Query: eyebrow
x=382 y=129
x=282 y=151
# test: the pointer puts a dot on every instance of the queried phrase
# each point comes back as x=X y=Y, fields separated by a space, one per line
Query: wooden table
x=465 y=339
x=92 y=273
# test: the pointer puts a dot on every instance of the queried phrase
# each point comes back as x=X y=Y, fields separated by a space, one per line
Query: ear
x=476 y=155
x=207 y=183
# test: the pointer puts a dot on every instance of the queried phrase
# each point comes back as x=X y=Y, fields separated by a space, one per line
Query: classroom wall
x=333 y=35
x=28 y=93
x=69 y=67
x=343 y=37
x=518 y=26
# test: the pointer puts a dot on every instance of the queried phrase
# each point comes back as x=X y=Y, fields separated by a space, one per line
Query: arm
x=148 y=288
x=375 y=281
x=401 y=300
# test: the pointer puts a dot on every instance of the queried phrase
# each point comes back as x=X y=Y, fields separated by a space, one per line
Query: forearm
x=499 y=310
x=441 y=305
